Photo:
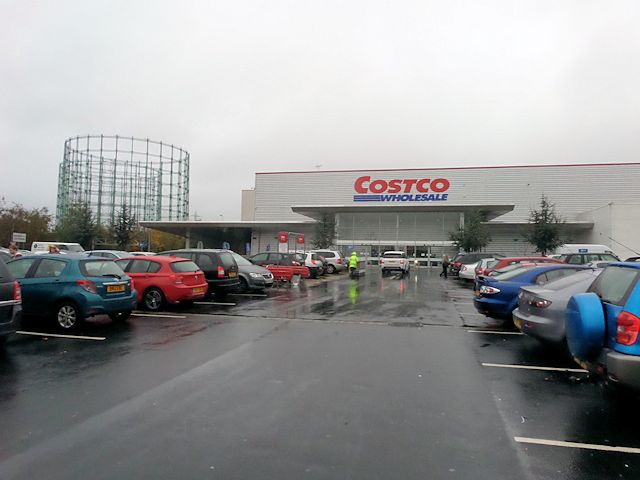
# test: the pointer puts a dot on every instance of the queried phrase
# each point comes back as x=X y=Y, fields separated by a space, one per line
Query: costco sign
x=400 y=190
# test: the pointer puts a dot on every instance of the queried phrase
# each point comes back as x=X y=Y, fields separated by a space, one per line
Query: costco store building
x=416 y=209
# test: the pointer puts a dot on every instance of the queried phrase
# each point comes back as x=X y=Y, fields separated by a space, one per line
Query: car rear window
x=227 y=261
x=614 y=284
x=511 y=273
x=100 y=268
x=393 y=255
x=181 y=267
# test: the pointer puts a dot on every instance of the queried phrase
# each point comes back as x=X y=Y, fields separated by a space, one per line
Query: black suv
x=10 y=303
x=219 y=267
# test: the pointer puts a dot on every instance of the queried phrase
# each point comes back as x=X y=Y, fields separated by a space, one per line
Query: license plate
x=198 y=290
x=115 y=288
x=232 y=274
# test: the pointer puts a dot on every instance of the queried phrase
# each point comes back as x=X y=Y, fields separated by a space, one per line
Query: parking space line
x=58 y=335
x=587 y=446
x=227 y=304
x=160 y=315
x=495 y=332
x=534 y=367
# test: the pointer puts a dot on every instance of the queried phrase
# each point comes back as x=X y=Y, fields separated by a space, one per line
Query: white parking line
x=496 y=332
x=587 y=446
x=58 y=335
x=534 y=367
x=227 y=304
x=160 y=315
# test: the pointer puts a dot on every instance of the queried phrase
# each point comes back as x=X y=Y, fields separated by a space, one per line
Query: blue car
x=498 y=296
x=603 y=325
x=72 y=288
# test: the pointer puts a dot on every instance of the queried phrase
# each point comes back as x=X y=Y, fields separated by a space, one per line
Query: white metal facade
x=578 y=191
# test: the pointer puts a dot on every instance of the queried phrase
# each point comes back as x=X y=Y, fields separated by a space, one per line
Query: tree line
x=79 y=225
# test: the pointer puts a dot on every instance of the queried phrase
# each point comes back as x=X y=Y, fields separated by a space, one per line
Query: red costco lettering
x=364 y=185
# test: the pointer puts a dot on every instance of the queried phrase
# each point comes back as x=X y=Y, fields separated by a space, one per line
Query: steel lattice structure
x=106 y=172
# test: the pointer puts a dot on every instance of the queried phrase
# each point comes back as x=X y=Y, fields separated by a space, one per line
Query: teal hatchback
x=72 y=288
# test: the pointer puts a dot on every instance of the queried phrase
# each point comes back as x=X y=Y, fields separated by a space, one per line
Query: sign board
x=283 y=237
x=19 y=237
x=300 y=239
x=580 y=250
x=401 y=189
x=283 y=248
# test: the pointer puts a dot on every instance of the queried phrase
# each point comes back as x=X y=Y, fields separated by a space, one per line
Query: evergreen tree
x=474 y=236
x=325 y=233
x=77 y=225
x=123 y=228
x=544 y=227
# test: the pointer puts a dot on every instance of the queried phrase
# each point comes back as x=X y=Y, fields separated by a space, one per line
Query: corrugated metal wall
x=574 y=189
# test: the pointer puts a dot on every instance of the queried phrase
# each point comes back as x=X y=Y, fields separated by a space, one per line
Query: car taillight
x=17 y=293
x=539 y=302
x=489 y=290
x=220 y=271
x=87 y=285
x=479 y=271
x=628 y=328
x=313 y=262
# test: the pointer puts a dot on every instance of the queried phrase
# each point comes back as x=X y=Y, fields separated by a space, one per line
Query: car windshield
x=241 y=261
x=100 y=268
x=226 y=259
x=181 y=267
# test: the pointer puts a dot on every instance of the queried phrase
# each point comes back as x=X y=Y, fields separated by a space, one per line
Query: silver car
x=541 y=310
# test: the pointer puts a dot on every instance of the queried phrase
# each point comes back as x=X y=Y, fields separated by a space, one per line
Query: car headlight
x=255 y=275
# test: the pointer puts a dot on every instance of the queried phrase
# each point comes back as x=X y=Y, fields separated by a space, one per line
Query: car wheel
x=242 y=286
x=68 y=316
x=120 y=316
x=331 y=269
x=153 y=299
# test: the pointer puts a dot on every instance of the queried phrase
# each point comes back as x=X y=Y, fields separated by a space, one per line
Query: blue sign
x=425 y=197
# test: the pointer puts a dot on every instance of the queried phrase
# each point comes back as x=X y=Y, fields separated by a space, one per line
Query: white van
x=583 y=248
x=64 y=247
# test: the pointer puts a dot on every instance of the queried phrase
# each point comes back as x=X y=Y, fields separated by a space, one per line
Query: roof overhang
x=490 y=211
x=181 y=227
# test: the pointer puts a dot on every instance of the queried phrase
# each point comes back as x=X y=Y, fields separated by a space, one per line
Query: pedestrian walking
x=445 y=266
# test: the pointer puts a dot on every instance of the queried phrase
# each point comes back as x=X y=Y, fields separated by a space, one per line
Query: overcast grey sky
x=250 y=86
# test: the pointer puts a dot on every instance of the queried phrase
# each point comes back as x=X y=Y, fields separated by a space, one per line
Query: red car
x=161 y=280
x=504 y=262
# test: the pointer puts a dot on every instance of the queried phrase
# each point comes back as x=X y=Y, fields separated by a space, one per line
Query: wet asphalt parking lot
x=374 y=378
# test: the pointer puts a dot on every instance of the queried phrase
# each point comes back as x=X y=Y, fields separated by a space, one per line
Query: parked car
x=498 y=296
x=506 y=261
x=219 y=267
x=41 y=247
x=394 y=261
x=335 y=261
x=10 y=303
x=469 y=258
x=541 y=309
x=603 y=325
x=163 y=280
x=252 y=277
x=4 y=256
x=585 y=258
x=468 y=272
x=73 y=288
x=276 y=258
x=112 y=254
x=633 y=259
x=483 y=264
x=142 y=254
x=314 y=263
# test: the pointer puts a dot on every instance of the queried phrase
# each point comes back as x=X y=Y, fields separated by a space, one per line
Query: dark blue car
x=603 y=325
x=498 y=296
x=71 y=288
